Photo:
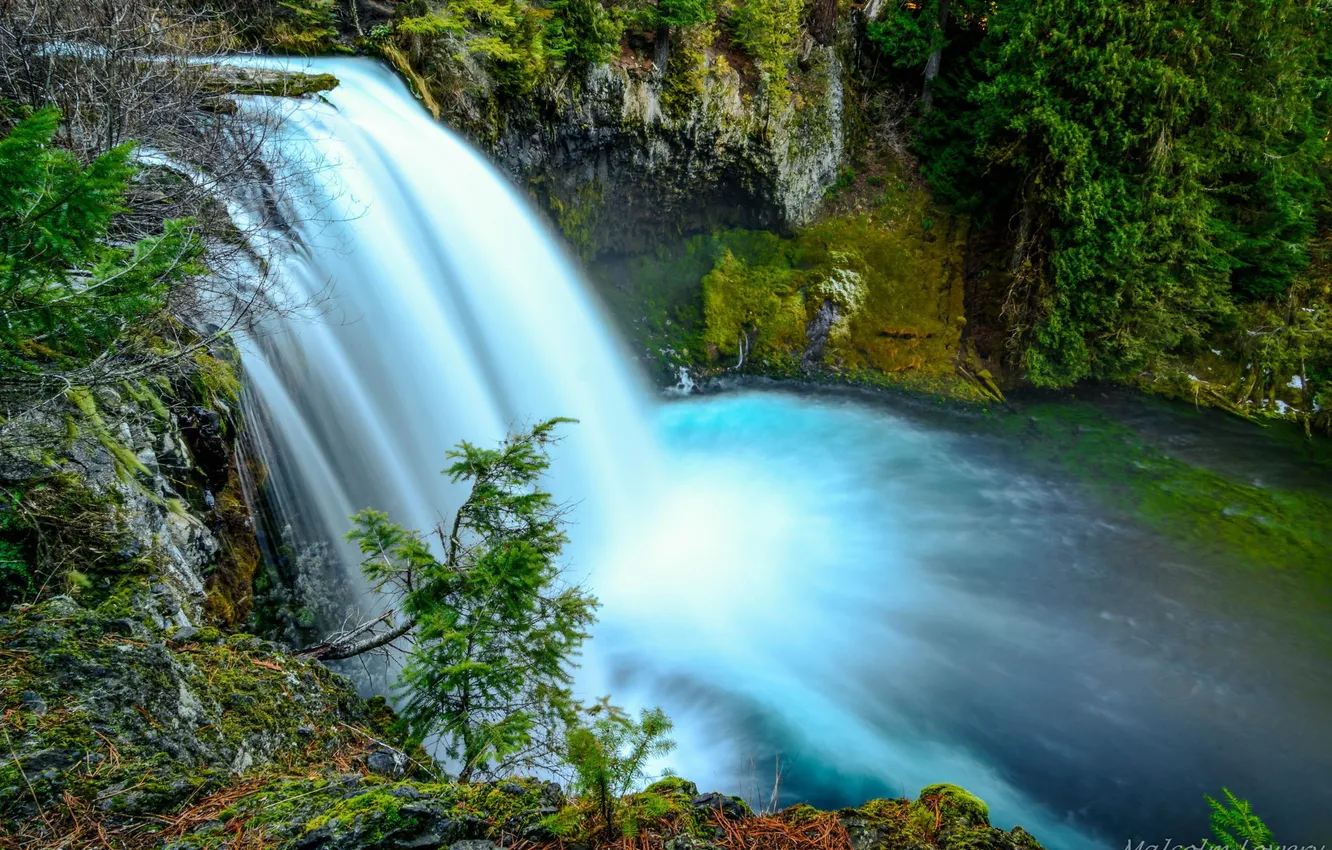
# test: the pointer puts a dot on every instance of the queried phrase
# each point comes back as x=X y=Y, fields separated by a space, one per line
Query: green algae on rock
x=866 y=298
x=1272 y=538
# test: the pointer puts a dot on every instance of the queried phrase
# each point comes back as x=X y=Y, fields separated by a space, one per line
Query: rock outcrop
x=623 y=160
x=139 y=478
x=184 y=738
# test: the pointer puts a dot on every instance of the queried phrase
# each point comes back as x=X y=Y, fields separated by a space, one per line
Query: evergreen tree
x=769 y=31
x=1155 y=161
x=66 y=294
x=1235 y=826
x=668 y=15
x=914 y=34
x=494 y=632
x=610 y=751
x=583 y=30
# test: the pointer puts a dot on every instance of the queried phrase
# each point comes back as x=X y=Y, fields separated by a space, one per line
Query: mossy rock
x=267 y=82
x=673 y=785
x=953 y=803
x=119 y=718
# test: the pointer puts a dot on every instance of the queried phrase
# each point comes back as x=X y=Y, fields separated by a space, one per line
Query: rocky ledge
x=124 y=733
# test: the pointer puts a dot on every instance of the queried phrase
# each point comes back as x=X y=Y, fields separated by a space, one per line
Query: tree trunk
x=823 y=23
x=935 y=60
x=663 y=48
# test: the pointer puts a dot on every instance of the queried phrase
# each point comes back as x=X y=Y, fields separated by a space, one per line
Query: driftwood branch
x=348 y=646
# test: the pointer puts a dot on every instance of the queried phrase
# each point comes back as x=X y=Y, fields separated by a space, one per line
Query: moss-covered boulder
x=269 y=82
x=355 y=812
x=945 y=817
x=104 y=708
x=871 y=297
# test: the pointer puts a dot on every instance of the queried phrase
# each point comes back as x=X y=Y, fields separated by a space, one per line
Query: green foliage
x=907 y=33
x=302 y=27
x=1150 y=179
x=67 y=294
x=1235 y=826
x=16 y=574
x=688 y=70
x=511 y=36
x=495 y=633
x=684 y=13
x=846 y=178
x=609 y=752
x=769 y=31
x=583 y=31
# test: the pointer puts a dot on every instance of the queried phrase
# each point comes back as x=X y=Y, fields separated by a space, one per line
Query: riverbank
x=125 y=734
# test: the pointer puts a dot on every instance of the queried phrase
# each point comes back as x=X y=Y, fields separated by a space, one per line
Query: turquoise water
x=884 y=598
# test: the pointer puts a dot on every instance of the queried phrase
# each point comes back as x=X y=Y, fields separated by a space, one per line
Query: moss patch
x=105 y=710
x=56 y=535
x=301 y=27
x=871 y=298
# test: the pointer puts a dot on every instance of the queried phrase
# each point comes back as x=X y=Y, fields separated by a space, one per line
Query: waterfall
x=438 y=308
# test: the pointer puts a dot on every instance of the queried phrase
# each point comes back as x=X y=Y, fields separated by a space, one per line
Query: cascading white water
x=882 y=603
x=447 y=312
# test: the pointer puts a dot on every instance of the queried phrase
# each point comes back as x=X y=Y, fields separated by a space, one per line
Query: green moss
x=952 y=802
x=662 y=809
x=379 y=808
x=578 y=218
x=142 y=392
x=302 y=27
x=53 y=526
x=892 y=819
x=673 y=785
x=762 y=302
x=127 y=463
x=896 y=288
x=687 y=71
x=215 y=379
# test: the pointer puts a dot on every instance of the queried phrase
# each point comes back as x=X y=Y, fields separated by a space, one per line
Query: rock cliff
x=625 y=157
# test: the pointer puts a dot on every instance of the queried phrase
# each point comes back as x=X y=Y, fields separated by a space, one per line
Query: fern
x=1235 y=826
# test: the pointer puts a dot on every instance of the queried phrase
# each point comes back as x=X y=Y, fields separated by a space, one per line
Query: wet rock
x=728 y=806
x=386 y=762
x=816 y=335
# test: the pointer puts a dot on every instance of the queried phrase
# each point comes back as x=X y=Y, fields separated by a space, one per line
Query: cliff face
x=625 y=157
x=620 y=170
x=109 y=485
